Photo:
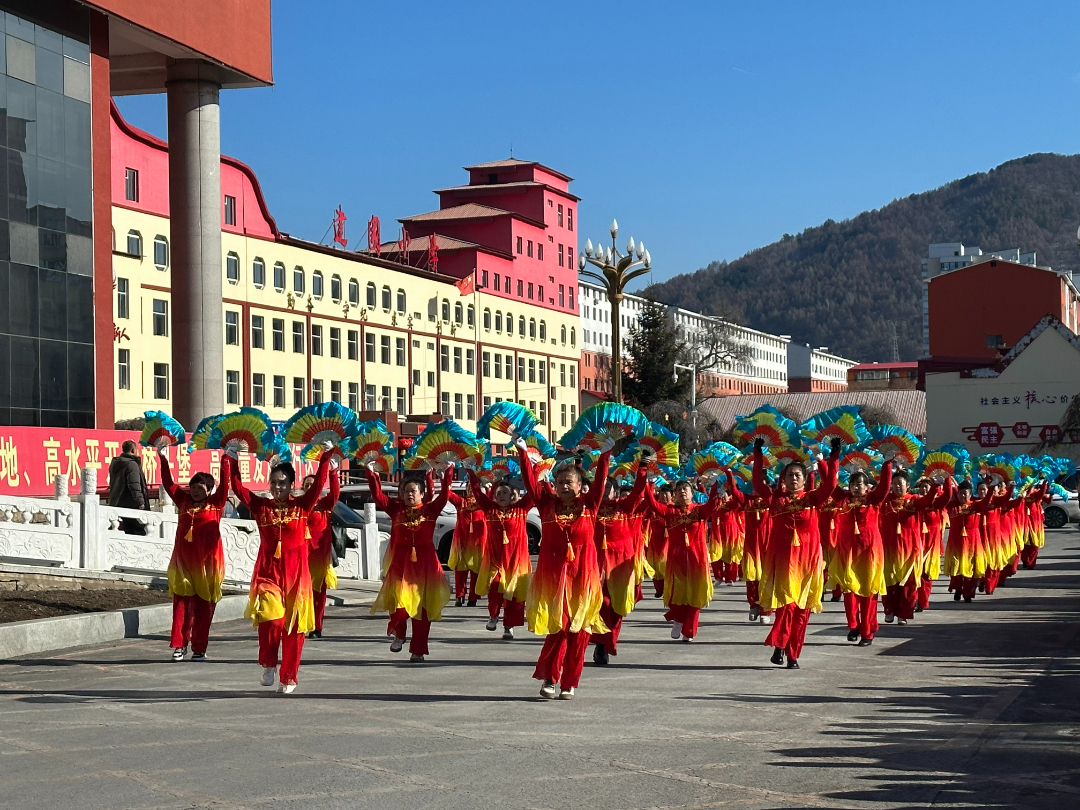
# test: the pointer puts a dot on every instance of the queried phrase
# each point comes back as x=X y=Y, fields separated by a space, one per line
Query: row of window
x=134 y=247
x=504 y=283
x=131 y=193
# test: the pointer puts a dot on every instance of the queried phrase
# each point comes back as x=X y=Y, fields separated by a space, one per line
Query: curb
x=61 y=632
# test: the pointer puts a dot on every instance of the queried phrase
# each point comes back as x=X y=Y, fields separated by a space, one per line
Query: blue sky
x=707 y=129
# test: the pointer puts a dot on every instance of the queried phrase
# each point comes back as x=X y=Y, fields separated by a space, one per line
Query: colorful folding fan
x=1026 y=466
x=325 y=422
x=375 y=443
x=503 y=467
x=769 y=424
x=506 y=417
x=624 y=473
x=662 y=442
x=895 y=444
x=940 y=464
x=843 y=422
x=544 y=467
x=248 y=430
x=786 y=455
x=963 y=469
x=201 y=435
x=998 y=467
x=538 y=446
x=161 y=430
x=602 y=421
x=706 y=463
x=443 y=443
x=1060 y=491
x=860 y=457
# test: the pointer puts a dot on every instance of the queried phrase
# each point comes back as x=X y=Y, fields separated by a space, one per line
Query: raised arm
x=596 y=492
x=311 y=497
x=435 y=507
x=482 y=499
x=738 y=500
x=375 y=487
x=945 y=496
x=829 y=473
x=632 y=500
x=761 y=487
x=326 y=503
x=707 y=510
x=247 y=498
x=528 y=477
x=221 y=492
x=167 y=480
x=660 y=509
x=429 y=485
x=880 y=492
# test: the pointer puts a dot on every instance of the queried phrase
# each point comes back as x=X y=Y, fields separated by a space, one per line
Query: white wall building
x=816 y=369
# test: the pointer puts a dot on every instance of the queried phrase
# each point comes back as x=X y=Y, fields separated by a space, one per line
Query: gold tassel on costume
x=795 y=538
x=832 y=524
x=190 y=537
x=857 y=532
x=506 y=540
x=925 y=530
x=963 y=531
x=898 y=531
x=412 y=554
x=569 y=553
x=307 y=532
x=277 y=551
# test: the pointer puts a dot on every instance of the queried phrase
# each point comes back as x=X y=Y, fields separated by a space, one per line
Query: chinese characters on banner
x=1029 y=398
x=31 y=457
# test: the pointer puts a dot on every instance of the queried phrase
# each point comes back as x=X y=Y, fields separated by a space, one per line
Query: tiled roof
x=498 y=164
x=909 y=407
x=491 y=188
x=420 y=243
x=466 y=211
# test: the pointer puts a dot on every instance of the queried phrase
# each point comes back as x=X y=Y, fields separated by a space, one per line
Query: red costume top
x=688 y=580
x=966 y=552
x=756 y=532
x=618 y=544
x=506 y=549
x=197 y=565
x=321 y=534
x=858 y=561
x=469 y=544
x=901 y=524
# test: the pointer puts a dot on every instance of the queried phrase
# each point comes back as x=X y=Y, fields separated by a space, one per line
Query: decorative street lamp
x=616 y=271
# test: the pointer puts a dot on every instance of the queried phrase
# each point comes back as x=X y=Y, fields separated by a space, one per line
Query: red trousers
x=271 y=637
x=926 y=585
x=861 y=614
x=638 y=593
x=513 y=610
x=990 y=581
x=191 y=617
x=562 y=658
x=320 y=606
x=658 y=586
x=459 y=585
x=610 y=640
x=965 y=585
x=730 y=571
x=789 y=631
x=1029 y=555
x=686 y=616
x=899 y=600
x=421 y=628
x=1011 y=568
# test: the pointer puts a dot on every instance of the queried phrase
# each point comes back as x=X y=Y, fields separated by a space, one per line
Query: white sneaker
x=767 y=618
x=567 y=694
x=548 y=690
x=901 y=622
x=397 y=644
x=178 y=653
x=508 y=634
x=688 y=638
x=492 y=623
x=676 y=630
x=287 y=688
x=269 y=676
x=888 y=618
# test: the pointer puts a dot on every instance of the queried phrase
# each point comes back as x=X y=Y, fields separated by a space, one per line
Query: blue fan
x=161 y=430
x=603 y=421
x=506 y=417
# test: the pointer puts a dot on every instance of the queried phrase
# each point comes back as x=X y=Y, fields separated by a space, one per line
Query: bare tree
x=717 y=346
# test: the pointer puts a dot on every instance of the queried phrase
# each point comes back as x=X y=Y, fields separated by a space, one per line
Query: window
x=258 y=273
x=230 y=210
x=539 y=252
x=519 y=252
x=335 y=390
x=562 y=295
x=485 y=364
x=569 y=256
x=384 y=350
x=416 y=378
x=569 y=219
x=354 y=292
x=278 y=326
x=562 y=334
x=444 y=404
x=532 y=328
x=134 y=243
x=509 y=363
x=562 y=415
x=354 y=345
x=401 y=302
x=532 y=371
x=470 y=315
x=298 y=392
x=123 y=369
x=232 y=328
x=386 y=305
x=335 y=342
x=279 y=391
x=993 y=341
x=497 y=281
x=459 y=311
x=543 y=330
x=400 y=400
x=470 y=406
x=386 y=397
x=521 y=325
x=561 y=256
x=487 y=403
x=498 y=367
x=399 y=352
x=298 y=280
x=316 y=392
x=258 y=389
x=370 y=297
x=317 y=285
x=483 y=279
x=458 y=411
x=161 y=380
x=444 y=358
x=161 y=252
x=543 y=372
x=521 y=288
x=570 y=292
x=560 y=218
x=431 y=379
x=316 y=339
x=279 y=277
x=457 y=360
x=528 y=249
x=445 y=311
x=573 y=337
x=498 y=321
x=562 y=374
x=369 y=397
x=131 y=185
x=573 y=375
x=530 y=290
x=487 y=319
x=122 y=298
x=232 y=387
x=161 y=319
x=335 y=288
x=369 y=347
x=521 y=369
x=470 y=362
x=354 y=396
x=298 y=337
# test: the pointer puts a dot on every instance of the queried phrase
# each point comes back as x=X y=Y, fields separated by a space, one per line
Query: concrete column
x=195 y=211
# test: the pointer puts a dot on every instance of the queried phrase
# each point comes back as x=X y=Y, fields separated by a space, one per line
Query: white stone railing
x=85 y=533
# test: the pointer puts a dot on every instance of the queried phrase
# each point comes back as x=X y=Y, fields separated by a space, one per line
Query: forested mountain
x=839 y=284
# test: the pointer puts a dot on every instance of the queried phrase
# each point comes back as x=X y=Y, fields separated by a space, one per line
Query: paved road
x=969 y=706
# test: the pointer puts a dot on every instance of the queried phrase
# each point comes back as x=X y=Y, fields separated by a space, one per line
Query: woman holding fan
x=506 y=568
x=320 y=559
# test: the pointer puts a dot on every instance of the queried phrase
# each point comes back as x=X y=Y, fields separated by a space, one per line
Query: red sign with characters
x=31 y=457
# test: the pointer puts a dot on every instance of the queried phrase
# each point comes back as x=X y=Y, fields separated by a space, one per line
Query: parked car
x=1059 y=513
x=356 y=496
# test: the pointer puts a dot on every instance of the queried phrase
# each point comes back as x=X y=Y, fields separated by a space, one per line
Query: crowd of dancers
x=791 y=542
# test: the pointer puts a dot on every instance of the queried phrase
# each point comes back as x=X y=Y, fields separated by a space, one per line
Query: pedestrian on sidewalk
x=127 y=486
x=320 y=557
x=197 y=566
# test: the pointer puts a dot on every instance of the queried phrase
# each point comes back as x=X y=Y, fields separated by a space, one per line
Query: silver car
x=1059 y=513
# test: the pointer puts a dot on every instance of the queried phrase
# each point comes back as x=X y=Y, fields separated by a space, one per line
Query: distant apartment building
x=944 y=257
x=883 y=376
x=816 y=370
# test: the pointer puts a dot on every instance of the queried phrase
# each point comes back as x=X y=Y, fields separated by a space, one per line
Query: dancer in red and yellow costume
x=280 y=602
x=1014 y=515
x=565 y=596
x=792 y=571
x=688 y=585
x=827 y=531
x=414 y=586
x=901 y=523
x=197 y=566
x=617 y=548
x=935 y=522
x=320 y=559
x=506 y=568
x=965 y=548
x=756 y=533
x=467 y=547
x=1035 y=536
x=656 y=549
x=995 y=536
x=857 y=566
x=729 y=520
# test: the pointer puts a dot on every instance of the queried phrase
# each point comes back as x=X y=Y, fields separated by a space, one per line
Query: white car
x=1059 y=513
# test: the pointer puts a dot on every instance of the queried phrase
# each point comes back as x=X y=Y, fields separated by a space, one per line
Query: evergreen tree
x=654 y=349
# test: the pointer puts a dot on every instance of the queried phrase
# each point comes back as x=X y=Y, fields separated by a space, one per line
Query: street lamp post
x=615 y=272
x=693 y=389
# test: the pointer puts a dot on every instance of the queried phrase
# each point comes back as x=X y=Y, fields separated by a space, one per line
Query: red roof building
x=883 y=376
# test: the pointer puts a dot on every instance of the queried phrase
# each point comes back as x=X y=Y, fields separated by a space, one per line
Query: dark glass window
x=131 y=185
x=230 y=210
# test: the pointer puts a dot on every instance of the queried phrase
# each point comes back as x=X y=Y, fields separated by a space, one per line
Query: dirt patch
x=17 y=606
